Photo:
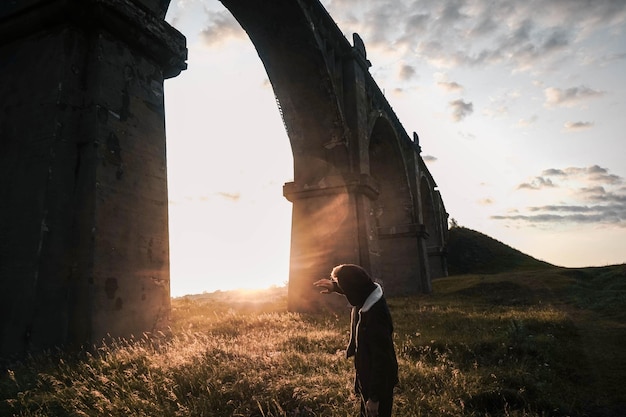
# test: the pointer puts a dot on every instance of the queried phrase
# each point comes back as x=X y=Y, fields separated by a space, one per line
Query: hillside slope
x=470 y=251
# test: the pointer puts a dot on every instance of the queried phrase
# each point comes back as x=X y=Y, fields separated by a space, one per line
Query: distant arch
x=393 y=211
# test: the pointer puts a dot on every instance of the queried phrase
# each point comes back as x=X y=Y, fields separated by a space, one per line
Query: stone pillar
x=324 y=233
x=84 y=249
x=425 y=278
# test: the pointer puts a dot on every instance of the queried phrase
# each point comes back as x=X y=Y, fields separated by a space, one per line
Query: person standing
x=371 y=337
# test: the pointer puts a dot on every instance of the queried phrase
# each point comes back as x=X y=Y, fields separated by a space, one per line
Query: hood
x=355 y=283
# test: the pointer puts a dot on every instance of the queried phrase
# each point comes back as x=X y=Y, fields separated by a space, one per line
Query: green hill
x=472 y=252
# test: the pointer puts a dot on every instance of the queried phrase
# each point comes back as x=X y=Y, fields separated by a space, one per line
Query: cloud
x=461 y=109
x=529 y=35
x=599 y=194
x=450 y=86
x=610 y=58
x=553 y=172
x=406 y=72
x=467 y=135
x=484 y=26
x=429 y=158
x=537 y=183
x=594 y=178
x=563 y=208
x=588 y=175
x=220 y=28
x=570 y=97
x=494 y=112
x=602 y=217
x=527 y=122
x=229 y=196
x=577 y=126
x=416 y=24
x=516 y=41
x=595 y=197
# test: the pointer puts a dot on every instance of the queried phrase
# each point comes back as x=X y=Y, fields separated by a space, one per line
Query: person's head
x=354 y=281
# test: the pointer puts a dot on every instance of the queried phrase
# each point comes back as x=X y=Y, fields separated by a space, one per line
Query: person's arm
x=328 y=286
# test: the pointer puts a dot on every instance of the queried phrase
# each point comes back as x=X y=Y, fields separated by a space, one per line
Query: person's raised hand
x=326 y=285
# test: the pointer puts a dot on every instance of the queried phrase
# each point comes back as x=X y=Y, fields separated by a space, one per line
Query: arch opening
x=393 y=212
x=228 y=156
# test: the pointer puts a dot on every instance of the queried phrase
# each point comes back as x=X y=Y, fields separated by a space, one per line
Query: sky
x=520 y=106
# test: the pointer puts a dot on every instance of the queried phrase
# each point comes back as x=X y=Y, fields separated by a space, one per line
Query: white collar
x=372 y=298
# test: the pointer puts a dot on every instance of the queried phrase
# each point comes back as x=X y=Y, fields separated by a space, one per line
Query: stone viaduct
x=84 y=251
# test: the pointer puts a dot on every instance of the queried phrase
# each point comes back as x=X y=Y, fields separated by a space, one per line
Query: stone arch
x=394 y=217
x=388 y=169
x=300 y=73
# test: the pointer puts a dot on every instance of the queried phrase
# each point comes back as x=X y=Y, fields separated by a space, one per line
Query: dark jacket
x=374 y=353
x=371 y=336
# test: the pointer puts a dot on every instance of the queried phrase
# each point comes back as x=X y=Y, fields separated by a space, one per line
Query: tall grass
x=501 y=345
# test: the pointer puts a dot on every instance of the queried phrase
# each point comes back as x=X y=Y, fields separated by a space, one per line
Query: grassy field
x=547 y=342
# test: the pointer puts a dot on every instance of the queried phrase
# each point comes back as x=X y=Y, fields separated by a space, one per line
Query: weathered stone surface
x=83 y=184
